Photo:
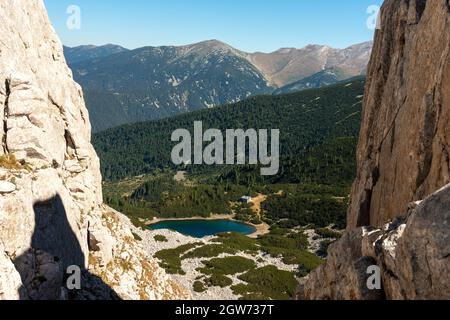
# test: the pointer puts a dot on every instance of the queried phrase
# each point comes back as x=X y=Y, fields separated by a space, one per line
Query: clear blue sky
x=249 y=25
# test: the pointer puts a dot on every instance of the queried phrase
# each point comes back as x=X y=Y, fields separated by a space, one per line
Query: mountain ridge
x=87 y=52
x=151 y=83
x=252 y=57
x=139 y=147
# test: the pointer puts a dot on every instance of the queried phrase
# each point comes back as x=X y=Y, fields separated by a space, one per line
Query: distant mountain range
x=126 y=86
x=289 y=65
x=319 y=130
x=83 y=53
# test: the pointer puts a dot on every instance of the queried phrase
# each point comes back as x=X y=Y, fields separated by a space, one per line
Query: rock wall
x=51 y=212
x=403 y=157
x=404 y=146
x=413 y=255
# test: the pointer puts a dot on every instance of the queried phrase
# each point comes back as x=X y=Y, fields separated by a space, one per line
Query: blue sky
x=249 y=25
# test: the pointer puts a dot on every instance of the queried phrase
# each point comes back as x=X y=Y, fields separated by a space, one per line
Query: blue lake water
x=203 y=228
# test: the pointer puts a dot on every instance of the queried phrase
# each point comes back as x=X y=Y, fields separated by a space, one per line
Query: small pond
x=203 y=228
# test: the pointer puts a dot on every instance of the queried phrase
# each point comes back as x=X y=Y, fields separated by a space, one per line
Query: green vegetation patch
x=136 y=237
x=218 y=280
x=324 y=245
x=302 y=205
x=328 y=234
x=293 y=241
x=238 y=242
x=267 y=283
x=227 y=266
x=209 y=251
x=171 y=258
x=226 y=243
x=160 y=238
x=199 y=287
x=303 y=258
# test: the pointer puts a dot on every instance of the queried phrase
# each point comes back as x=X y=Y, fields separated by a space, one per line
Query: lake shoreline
x=260 y=230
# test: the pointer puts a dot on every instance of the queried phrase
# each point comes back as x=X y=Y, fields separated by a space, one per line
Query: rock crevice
x=405 y=112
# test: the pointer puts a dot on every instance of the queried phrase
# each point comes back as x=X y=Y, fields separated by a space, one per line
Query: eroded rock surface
x=413 y=255
x=404 y=146
x=51 y=212
x=403 y=157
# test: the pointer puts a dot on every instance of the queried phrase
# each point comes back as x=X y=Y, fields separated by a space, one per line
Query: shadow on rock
x=54 y=250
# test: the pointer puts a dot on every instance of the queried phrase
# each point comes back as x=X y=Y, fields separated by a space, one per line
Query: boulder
x=413 y=256
x=7 y=187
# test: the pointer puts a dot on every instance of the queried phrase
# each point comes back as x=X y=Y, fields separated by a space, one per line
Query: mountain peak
x=87 y=52
x=289 y=65
x=213 y=45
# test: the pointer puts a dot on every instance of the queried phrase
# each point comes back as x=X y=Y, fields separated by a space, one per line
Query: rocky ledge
x=413 y=255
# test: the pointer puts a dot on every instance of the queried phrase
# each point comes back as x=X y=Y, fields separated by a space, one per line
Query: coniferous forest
x=318 y=138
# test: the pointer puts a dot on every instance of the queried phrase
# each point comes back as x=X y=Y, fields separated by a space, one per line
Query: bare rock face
x=413 y=255
x=403 y=157
x=404 y=146
x=51 y=212
x=10 y=282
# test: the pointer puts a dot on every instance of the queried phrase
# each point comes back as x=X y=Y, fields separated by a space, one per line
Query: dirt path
x=262 y=228
x=257 y=201
x=180 y=176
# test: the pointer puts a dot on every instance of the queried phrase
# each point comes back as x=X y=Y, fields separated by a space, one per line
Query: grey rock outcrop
x=403 y=157
x=404 y=147
x=54 y=217
x=412 y=254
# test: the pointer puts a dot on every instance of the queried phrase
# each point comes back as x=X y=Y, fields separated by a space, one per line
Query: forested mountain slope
x=318 y=127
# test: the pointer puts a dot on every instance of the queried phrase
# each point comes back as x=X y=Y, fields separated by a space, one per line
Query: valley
x=298 y=215
x=94 y=207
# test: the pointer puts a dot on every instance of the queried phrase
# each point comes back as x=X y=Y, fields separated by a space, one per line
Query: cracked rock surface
x=404 y=146
x=403 y=157
x=51 y=211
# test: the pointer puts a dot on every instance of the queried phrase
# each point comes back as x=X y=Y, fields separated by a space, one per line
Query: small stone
x=7 y=187
x=4 y=174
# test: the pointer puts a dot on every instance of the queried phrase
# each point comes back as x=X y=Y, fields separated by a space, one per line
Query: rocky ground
x=190 y=266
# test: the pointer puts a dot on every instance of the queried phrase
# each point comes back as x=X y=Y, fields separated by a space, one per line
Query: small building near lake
x=246 y=199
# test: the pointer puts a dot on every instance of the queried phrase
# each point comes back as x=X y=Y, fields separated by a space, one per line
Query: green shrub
x=296 y=257
x=171 y=258
x=267 y=283
x=199 y=287
x=327 y=233
x=238 y=242
x=208 y=251
x=218 y=280
x=136 y=237
x=323 y=250
x=229 y=243
x=160 y=238
x=227 y=266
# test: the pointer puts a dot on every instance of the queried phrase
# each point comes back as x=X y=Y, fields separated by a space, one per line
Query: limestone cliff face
x=51 y=211
x=404 y=146
x=403 y=157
